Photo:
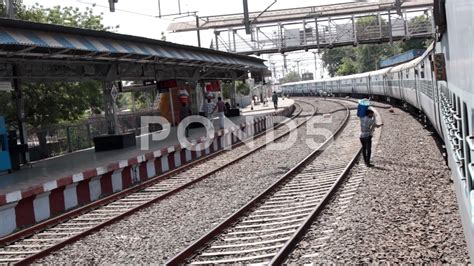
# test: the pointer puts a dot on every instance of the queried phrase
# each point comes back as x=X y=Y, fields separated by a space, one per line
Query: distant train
x=450 y=110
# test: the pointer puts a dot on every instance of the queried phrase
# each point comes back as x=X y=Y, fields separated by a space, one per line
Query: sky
x=140 y=18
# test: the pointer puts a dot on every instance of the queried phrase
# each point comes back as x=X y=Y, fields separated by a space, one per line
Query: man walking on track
x=367 y=126
x=220 y=106
x=275 y=100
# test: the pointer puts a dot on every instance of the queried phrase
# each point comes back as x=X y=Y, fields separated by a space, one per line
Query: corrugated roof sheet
x=27 y=34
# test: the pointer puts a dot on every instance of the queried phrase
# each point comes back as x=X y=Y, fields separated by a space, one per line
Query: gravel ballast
x=156 y=233
x=404 y=211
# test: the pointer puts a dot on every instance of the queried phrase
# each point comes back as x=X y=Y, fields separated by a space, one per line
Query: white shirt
x=367 y=126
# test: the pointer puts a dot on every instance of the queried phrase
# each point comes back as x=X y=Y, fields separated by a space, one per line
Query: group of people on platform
x=221 y=108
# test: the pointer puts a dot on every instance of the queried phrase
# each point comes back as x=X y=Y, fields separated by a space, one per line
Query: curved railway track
x=270 y=225
x=38 y=241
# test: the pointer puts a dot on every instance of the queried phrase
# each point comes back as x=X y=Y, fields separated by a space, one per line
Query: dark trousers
x=366 y=148
x=275 y=104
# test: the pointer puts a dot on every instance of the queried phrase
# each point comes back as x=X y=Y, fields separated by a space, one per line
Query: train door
x=385 y=84
x=399 y=84
x=415 y=84
x=389 y=84
x=367 y=84
x=436 y=94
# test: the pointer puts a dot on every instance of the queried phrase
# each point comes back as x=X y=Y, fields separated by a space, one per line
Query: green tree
x=332 y=58
x=347 y=67
x=54 y=102
x=242 y=88
x=49 y=103
x=369 y=55
x=226 y=90
x=292 y=76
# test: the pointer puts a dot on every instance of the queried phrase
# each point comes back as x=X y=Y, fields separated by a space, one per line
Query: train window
x=407 y=72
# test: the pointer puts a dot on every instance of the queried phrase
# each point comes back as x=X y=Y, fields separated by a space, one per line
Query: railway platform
x=53 y=168
x=56 y=184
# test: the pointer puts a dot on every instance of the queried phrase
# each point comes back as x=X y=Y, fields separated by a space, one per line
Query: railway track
x=270 y=225
x=40 y=240
x=305 y=253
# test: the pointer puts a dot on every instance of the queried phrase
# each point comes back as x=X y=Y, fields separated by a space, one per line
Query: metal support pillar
x=198 y=31
x=257 y=43
x=379 y=19
x=233 y=100
x=173 y=118
x=329 y=31
x=10 y=9
x=110 y=109
x=407 y=30
x=20 y=110
x=354 y=30
x=228 y=39
x=282 y=43
x=304 y=33
x=246 y=17
x=216 y=34
x=390 y=27
x=315 y=65
x=274 y=71
x=317 y=31
x=233 y=39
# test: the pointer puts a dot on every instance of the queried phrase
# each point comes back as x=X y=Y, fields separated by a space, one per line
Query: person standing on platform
x=367 y=126
x=227 y=108
x=209 y=109
x=220 y=107
x=275 y=100
x=185 y=112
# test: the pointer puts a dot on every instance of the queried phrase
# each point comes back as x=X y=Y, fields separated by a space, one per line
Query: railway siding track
x=71 y=228
x=269 y=226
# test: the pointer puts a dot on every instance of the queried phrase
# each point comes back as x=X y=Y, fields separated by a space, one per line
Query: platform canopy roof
x=36 y=43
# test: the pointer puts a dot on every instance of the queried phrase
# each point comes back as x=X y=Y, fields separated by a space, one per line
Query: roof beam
x=27 y=49
x=57 y=53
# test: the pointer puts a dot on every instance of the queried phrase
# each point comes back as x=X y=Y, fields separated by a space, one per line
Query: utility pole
x=246 y=21
x=111 y=5
x=274 y=71
x=197 y=31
